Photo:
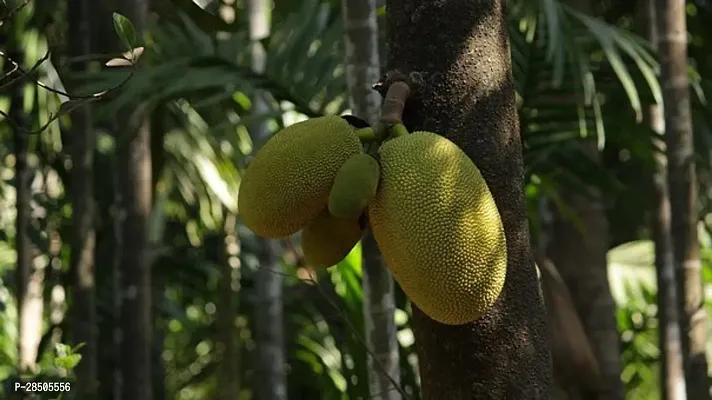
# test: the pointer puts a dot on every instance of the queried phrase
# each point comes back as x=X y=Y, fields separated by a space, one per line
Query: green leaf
x=68 y=362
x=206 y=21
x=631 y=270
x=126 y=31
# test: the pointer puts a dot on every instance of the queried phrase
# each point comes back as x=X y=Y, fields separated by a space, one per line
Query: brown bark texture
x=682 y=183
x=672 y=375
x=83 y=230
x=136 y=317
x=136 y=187
x=458 y=51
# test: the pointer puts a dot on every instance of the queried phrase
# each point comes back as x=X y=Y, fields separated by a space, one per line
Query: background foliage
x=202 y=88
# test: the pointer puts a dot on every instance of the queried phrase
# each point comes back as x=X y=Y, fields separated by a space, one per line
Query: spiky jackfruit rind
x=288 y=182
x=327 y=240
x=438 y=228
x=354 y=186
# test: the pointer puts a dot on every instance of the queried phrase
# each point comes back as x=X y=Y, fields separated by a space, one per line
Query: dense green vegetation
x=580 y=79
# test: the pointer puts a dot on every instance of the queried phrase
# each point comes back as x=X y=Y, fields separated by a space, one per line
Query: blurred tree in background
x=124 y=264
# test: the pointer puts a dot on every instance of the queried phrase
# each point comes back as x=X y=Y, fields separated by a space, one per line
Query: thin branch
x=67 y=106
x=344 y=317
x=13 y=12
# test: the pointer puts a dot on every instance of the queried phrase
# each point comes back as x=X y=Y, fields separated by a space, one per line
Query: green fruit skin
x=354 y=186
x=438 y=228
x=288 y=182
x=326 y=240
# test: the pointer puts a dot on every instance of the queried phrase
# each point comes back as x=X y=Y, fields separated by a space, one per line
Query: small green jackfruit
x=354 y=186
x=288 y=182
x=438 y=228
x=326 y=240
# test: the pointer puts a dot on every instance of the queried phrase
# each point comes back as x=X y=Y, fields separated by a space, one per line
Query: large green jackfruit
x=326 y=240
x=288 y=182
x=354 y=186
x=438 y=228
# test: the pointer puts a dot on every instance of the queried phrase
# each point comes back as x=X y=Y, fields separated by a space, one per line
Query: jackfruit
x=326 y=240
x=438 y=228
x=354 y=186
x=288 y=182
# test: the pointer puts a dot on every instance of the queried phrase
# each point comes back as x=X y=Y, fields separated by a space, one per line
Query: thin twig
x=345 y=318
x=74 y=100
x=12 y=13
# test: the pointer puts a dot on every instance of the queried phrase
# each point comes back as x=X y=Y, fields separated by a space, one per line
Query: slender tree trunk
x=136 y=188
x=135 y=185
x=362 y=71
x=269 y=328
x=136 y=317
x=228 y=249
x=117 y=381
x=459 y=51
x=83 y=231
x=156 y=241
x=671 y=364
x=29 y=280
x=682 y=181
x=269 y=325
x=578 y=249
x=579 y=253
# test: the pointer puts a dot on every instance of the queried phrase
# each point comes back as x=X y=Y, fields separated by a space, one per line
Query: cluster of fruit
x=429 y=208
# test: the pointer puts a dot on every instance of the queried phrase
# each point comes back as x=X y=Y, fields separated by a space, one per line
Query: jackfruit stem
x=381 y=132
x=398 y=130
x=366 y=134
x=394 y=103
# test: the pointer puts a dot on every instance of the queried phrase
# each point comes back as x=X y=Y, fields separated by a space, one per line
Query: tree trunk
x=228 y=345
x=135 y=185
x=269 y=326
x=117 y=297
x=682 y=181
x=83 y=230
x=29 y=280
x=459 y=51
x=579 y=253
x=578 y=249
x=155 y=242
x=271 y=373
x=671 y=364
x=362 y=71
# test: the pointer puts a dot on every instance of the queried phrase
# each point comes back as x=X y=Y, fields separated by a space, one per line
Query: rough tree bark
x=682 y=182
x=459 y=51
x=671 y=364
x=83 y=230
x=362 y=71
x=135 y=183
